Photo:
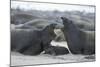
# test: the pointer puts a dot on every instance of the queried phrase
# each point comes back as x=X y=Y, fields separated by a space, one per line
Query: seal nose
x=66 y=20
x=63 y=18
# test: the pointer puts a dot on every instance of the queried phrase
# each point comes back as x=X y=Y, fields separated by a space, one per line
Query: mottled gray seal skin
x=56 y=50
x=32 y=42
x=79 y=41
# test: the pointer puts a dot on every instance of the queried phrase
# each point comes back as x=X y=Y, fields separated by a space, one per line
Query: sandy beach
x=20 y=59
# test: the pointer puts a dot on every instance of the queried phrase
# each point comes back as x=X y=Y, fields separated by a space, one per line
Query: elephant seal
x=48 y=35
x=30 y=41
x=79 y=41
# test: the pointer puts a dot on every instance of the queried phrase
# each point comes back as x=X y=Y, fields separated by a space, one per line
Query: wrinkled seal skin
x=56 y=50
x=79 y=41
x=31 y=42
